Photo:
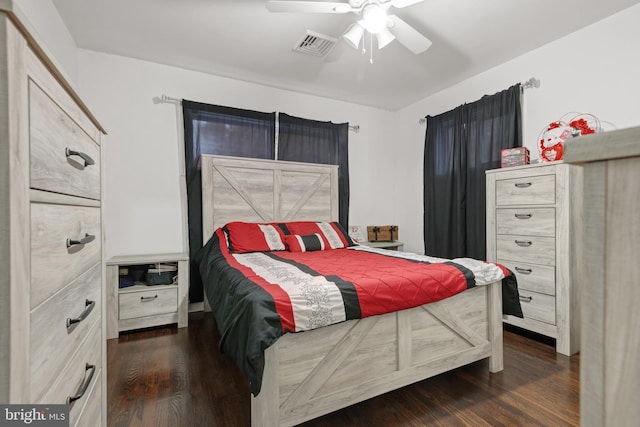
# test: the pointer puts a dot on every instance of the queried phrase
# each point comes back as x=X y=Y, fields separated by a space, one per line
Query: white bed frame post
x=494 y=314
x=263 y=412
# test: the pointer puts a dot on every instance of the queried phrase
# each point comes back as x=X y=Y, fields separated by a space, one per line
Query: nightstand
x=394 y=245
x=142 y=305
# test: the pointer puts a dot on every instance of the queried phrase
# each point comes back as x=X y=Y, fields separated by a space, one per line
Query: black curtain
x=460 y=145
x=213 y=129
x=311 y=141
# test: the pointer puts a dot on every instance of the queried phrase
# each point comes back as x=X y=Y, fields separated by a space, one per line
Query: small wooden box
x=382 y=233
x=514 y=157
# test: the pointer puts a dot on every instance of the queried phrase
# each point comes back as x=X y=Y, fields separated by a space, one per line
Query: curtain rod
x=169 y=99
x=165 y=98
x=531 y=83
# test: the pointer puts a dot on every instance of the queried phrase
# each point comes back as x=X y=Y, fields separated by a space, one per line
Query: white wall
x=594 y=70
x=143 y=206
x=49 y=29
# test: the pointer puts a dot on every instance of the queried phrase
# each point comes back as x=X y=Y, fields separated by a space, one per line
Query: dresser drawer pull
x=523 y=270
x=85 y=385
x=523 y=216
x=526 y=299
x=524 y=242
x=148 y=299
x=88 y=307
x=522 y=184
x=88 y=238
x=88 y=161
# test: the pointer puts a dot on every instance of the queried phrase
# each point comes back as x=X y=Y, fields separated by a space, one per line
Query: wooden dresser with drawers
x=52 y=339
x=534 y=214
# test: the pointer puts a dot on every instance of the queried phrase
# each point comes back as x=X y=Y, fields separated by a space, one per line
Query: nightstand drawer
x=538 y=307
x=529 y=249
x=57 y=254
x=59 y=326
x=528 y=190
x=528 y=221
x=533 y=277
x=64 y=159
x=148 y=303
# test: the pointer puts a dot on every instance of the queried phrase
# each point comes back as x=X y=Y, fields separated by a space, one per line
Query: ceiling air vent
x=315 y=44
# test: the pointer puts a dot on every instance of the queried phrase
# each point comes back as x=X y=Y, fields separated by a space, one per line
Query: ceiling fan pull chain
x=371 y=48
x=364 y=42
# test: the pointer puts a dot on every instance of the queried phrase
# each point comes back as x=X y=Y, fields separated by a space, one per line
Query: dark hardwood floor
x=177 y=377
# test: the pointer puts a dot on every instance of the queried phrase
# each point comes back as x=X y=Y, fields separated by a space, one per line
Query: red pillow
x=332 y=233
x=253 y=237
x=306 y=243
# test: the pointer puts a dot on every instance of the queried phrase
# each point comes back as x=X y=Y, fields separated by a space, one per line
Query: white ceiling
x=243 y=40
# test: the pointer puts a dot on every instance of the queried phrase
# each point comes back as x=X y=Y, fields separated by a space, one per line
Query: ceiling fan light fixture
x=354 y=35
x=375 y=18
x=384 y=37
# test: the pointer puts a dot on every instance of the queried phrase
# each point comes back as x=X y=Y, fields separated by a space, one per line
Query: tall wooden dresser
x=609 y=368
x=533 y=228
x=52 y=346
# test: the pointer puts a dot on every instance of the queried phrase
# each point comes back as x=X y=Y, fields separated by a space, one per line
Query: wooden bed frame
x=313 y=373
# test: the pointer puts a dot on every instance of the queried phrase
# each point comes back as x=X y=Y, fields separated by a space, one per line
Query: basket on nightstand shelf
x=147 y=274
x=163 y=274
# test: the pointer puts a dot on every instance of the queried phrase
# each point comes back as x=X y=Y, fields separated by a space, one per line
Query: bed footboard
x=313 y=373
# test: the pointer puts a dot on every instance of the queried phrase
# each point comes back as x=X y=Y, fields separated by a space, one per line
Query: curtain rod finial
x=532 y=82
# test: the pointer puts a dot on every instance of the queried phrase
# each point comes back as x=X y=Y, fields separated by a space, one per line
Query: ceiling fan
x=375 y=20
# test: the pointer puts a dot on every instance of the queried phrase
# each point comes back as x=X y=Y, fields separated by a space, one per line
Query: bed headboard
x=257 y=190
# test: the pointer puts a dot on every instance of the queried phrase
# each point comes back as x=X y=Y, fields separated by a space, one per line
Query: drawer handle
x=522 y=184
x=526 y=299
x=88 y=161
x=524 y=242
x=523 y=270
x=85 y=385
x=88 y=238
x=523 y=216
x=148 y=299
x=88 y=307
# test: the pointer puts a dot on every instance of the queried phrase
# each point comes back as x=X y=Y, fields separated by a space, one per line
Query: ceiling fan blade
x=404 y=3
x=408 y=36
x=308 y=6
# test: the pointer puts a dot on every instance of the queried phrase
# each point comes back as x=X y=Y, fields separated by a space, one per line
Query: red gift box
x=514 y=157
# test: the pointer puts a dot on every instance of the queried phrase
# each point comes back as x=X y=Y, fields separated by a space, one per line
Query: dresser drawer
x=533 y=277
x=529 y=249
x=64 y=159
x=539 y=307
x=89 y=415
x=148 y=303
x=73 y=376
x=530 y=190
x=52 y=343
x=53 y=264
x=528 y=221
